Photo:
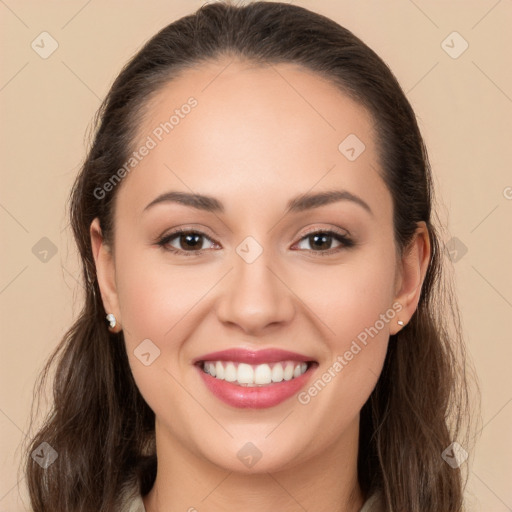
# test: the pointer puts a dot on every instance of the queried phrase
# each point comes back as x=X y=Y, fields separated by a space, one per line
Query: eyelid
x=186 y=229
x=339 y=231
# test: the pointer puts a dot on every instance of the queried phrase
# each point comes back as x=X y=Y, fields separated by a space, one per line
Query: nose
x=255 y=296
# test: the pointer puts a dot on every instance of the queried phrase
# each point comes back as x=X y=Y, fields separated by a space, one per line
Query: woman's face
x=252 y=275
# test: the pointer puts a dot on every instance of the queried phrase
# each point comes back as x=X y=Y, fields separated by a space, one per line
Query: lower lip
x=255 y=397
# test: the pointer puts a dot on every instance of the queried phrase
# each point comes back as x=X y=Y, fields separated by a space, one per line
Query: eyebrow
x=300 y=203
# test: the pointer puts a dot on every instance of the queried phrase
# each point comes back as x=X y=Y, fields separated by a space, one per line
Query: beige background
x=464 y=106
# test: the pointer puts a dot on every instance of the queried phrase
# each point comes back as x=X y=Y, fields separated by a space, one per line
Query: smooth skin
x=258 y=137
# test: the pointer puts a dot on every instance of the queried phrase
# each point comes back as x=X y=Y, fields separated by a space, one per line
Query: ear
x=411 y=274
x=105 y=271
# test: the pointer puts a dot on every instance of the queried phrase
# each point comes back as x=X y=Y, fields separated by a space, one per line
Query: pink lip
x=257 y=397
x=269 y=355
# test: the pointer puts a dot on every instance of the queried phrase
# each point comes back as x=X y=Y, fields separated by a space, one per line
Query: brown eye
x=321 y=242
x=184 y=242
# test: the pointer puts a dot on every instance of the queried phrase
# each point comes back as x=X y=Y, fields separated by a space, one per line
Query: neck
x=325 y=483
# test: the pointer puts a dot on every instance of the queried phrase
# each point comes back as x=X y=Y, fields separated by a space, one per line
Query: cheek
x=155 y=297
x=354 y=302
x=156 y=302
x=350 y=297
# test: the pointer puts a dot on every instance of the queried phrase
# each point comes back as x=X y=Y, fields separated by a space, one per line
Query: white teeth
x=219 y=370
x=212 y=369
x=288 y=371
x=263 y=374
x=254 y=375
x=277 y=373
x=245 y=374
x=230 y=372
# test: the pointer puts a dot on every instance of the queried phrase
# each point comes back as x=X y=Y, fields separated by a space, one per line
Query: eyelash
x=346 y=242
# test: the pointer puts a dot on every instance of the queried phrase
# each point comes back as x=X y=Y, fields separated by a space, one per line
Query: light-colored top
x=135 y=504
x=372 y=504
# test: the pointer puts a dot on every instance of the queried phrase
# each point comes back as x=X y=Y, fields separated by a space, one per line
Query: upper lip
x=269 y=355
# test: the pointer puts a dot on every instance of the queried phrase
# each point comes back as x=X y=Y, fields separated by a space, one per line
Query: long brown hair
x=99 y=424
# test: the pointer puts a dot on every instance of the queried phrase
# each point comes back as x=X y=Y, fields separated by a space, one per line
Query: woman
x=255 y=223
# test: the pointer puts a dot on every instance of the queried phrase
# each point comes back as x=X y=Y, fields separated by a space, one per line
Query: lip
x=269 y=355
x=257 y=397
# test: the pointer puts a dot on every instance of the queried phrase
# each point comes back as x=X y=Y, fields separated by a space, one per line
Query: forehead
x=240 y=99
x=231 y=127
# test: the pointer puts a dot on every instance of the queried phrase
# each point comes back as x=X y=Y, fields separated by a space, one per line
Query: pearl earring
x=400 y=322
x=111 y=320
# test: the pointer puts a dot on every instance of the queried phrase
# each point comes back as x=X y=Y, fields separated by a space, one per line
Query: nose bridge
x=254 y=296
